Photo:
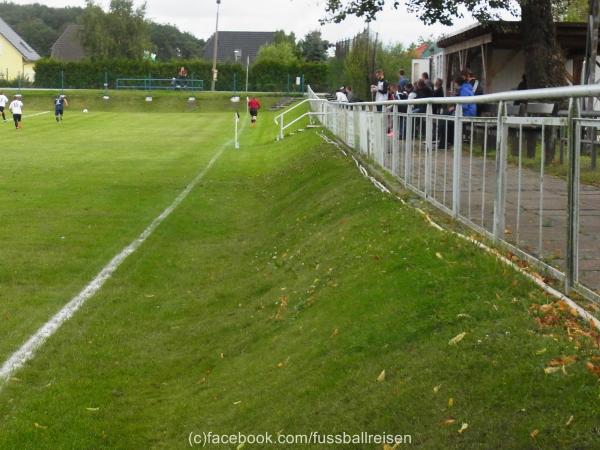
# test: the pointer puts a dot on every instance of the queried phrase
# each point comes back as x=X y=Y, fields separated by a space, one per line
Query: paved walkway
x=536 y=225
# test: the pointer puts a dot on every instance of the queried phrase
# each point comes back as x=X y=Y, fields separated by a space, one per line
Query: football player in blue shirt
x=59 y=106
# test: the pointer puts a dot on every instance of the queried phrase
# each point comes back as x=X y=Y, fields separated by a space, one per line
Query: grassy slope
x=135 y=101
x=194 y=323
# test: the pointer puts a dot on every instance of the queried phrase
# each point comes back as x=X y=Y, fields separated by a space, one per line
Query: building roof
x=68 y=46
x=420 y=49
x=229 y=41
x=507 y=34
x=18 y=42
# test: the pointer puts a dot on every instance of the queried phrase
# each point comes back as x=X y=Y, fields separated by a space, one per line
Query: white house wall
x=418 y=67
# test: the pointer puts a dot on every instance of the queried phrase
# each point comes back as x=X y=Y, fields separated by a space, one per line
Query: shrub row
x=271 y=76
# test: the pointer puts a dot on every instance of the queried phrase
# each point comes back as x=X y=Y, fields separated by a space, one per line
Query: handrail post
x=501 y=170
x=281 y=127
x=457 y=160
x=395 y=141
x=428 y=149
x=408 y=147
x=573 y=149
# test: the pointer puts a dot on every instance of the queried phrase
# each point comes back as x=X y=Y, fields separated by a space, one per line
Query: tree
x=544 y=64
x=313 y=47
x=39 y=25
x=281 y=52
x=122 y=32
x=282 y=36
x=170 y=43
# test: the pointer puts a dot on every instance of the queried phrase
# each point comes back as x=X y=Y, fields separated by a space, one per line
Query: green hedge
x=263 y=76
x=272 y=76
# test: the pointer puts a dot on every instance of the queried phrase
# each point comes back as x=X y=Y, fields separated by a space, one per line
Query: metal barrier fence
x=523 y=174
x=173 y=84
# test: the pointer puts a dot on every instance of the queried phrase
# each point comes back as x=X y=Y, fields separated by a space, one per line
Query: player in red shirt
x=253 y=106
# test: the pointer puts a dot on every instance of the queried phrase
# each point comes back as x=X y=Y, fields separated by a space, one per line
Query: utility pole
x=247 y=71
x=215 y=47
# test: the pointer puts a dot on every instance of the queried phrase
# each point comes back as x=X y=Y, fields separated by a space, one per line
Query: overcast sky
x=299 y=16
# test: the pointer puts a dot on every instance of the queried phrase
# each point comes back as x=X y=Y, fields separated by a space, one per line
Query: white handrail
x=592 y=90
x=283 y=113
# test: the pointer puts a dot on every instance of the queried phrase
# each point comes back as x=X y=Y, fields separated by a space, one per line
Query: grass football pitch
x=271 y=300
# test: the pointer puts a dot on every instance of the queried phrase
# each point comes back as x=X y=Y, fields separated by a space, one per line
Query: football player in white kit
x=3 y=102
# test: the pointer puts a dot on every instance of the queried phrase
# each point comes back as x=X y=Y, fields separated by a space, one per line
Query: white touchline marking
x=36 y=114
x=28 y=349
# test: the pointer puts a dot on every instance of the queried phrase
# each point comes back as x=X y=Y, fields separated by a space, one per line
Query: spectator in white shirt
x=340 y=95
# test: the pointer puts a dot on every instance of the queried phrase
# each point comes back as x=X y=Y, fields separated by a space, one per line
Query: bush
x=265 y=76
x=92 y=74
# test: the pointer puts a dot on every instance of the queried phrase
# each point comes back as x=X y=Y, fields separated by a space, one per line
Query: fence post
x=396 y=140
x=281 y=127
x=573 y=149
x=428 y=148
x=408 y=148
x=457 y=160
x=501 y=169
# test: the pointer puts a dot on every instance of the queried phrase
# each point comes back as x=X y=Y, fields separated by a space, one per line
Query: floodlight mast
x=215 y=47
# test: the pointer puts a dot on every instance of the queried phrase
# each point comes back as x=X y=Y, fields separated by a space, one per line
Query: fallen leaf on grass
x=439 y=255
x=534 y=433
x=456 y=339
x=551 y=369
x=450 y=402
x=436 y=388
x=594 y=369
x=463 y=427
x=335 y=333
x=463 y=316
x=389 y=447
x=449 y=421
x=564 y=361
x=41 y=427
x=541 y=351
x=569 y=421
x=381 y=376
x=93 y=409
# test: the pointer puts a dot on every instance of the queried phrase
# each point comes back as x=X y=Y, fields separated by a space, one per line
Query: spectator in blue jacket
x=464 y=89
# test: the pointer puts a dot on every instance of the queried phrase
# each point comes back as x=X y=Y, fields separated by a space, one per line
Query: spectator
x=438 y=91
x=474 y=82
x=402 y=80
x=380 y=88
x=409 y=90
x=349 y=94
x=422 y=91
x=340 y=95
x=521 y=87
x=464 y=89
x=425 y=78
